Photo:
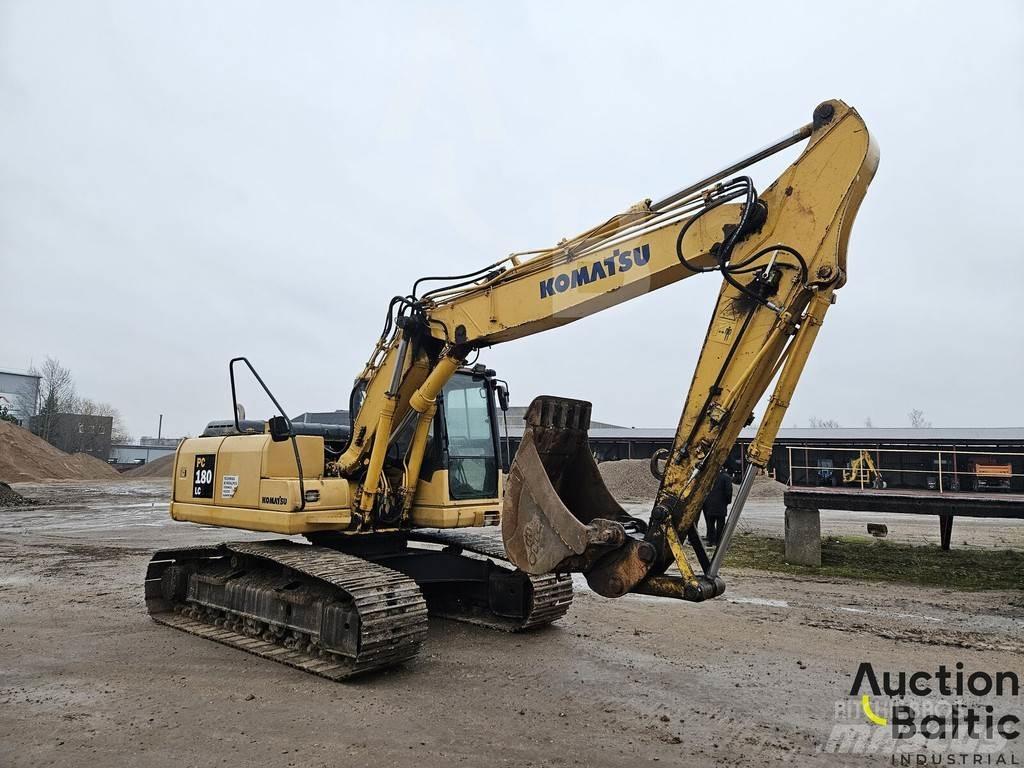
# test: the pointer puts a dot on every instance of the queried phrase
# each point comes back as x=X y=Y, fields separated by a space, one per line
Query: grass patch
x=855 y=557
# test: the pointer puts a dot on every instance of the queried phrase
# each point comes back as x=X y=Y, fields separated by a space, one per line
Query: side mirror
x=502 y=393
x=280 y=429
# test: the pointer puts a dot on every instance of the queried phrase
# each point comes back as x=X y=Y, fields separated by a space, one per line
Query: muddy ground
x=748 y=679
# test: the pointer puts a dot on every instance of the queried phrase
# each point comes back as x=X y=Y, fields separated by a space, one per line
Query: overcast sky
x=184 y=182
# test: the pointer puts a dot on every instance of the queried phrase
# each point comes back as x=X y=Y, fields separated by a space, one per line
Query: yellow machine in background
x=400 y=508
x=862 y=470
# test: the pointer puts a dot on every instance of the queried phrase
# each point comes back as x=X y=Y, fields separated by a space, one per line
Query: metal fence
x=939 y=469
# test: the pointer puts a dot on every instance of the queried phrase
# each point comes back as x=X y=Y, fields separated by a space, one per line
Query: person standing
x=716 y=505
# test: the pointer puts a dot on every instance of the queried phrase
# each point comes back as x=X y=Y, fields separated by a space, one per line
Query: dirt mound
x=27 y=458
x=92 y=468
x=766 y=488
x=162 y=467
x=629 y=478
x=10 y=497
x=632 y=479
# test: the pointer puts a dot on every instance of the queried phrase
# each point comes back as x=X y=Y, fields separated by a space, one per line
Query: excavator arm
x=781 y=255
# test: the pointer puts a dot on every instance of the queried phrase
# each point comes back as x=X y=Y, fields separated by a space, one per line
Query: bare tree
x=917 y=419
x=818 y=423
x=56 y=394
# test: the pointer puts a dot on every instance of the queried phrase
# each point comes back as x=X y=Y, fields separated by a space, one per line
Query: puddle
x=758 y=601
x=14 y=581
x=915 y=616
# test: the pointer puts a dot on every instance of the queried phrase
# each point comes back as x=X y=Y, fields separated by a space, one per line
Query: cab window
x=472 y=464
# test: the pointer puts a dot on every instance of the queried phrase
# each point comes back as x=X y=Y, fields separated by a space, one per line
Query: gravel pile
x=766 y=488
x=27 y=458
x=11 y=498
x=162 y=467
x=629 y=479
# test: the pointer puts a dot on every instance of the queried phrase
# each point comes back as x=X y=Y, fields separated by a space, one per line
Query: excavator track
x=312 y=608
x=550 y=595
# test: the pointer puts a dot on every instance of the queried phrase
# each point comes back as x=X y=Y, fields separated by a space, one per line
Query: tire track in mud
x=931 y=636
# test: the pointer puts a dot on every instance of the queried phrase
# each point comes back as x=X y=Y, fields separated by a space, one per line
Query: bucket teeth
x=559 y=413
x=557 y=514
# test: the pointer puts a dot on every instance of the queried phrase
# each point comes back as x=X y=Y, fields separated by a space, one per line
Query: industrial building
x=934 y=458
x=19 y=394
x=75 y=433
x=324 y=417
x=142 y=452
x=943 y=459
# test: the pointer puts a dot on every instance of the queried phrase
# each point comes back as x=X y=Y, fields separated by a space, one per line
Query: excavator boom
x=782 y=256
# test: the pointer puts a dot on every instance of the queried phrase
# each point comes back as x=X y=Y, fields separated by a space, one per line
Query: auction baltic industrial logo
x=946 y=716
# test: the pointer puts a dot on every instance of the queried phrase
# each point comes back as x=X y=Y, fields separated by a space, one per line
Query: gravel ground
x=10 y=497
x=752 y=678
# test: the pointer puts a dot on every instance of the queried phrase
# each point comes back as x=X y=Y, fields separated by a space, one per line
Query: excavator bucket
x=557 y=513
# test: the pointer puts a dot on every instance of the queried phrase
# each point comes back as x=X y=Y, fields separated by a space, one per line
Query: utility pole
x=159 y=431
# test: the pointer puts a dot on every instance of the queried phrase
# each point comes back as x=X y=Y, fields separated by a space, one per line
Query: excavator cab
x=464 y=438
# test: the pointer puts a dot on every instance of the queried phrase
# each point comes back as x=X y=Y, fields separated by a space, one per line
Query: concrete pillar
x=803 y=536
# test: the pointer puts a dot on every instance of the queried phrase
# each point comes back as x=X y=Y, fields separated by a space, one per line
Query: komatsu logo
x=619 y=261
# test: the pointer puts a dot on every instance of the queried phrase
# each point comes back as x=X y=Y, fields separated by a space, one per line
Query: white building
x=139 y=453
x=19 y=394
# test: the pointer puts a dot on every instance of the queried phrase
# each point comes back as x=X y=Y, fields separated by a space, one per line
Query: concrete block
x=803 y=536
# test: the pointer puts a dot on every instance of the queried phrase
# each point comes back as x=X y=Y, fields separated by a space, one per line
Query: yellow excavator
x=861 y=469
x=400 y=511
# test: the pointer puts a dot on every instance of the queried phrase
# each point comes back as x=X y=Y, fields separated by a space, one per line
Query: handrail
x=291 y=434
